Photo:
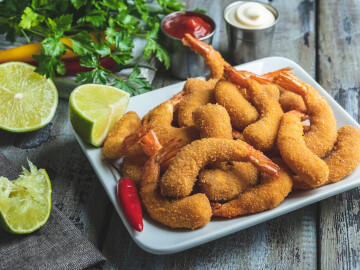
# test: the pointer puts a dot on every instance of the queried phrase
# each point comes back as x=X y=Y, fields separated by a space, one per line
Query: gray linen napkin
x=57 y=245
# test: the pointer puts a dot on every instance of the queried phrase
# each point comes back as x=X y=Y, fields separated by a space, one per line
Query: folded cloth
x=57 y=245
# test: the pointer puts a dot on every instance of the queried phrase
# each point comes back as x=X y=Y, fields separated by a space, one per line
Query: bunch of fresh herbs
x=98 y=29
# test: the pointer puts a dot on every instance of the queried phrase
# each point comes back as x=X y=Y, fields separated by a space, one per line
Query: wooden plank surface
x=339 y=54
x=288 y=242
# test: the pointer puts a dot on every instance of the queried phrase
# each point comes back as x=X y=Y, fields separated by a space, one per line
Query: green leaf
x=79 y=3
x=171 y=5
x=30 y=18
x=102 y=50
x=142 y=84
x=94 y=76
x=127 y=21
x=81 y=43
x=203 y=11
x=63 y=23
x=53 y=46
x=115 y=4
x=142 y=8
x=48 y=65
x=161 y=54
x=121 y=84
x=95 y=17
x=90 y=61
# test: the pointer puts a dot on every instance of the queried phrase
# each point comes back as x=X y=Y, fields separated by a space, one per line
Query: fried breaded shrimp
x=300 y=159
x=346 y=155
x=290 y=101
x=200 y=92
x=261 y=134
x=179 y=178
x=191 y=102
x=321 y=137
x=227 y=181
x=344 y=158
x=212 y=58
x=135 y=148
x=193 y=85
x=132 y=165
x=240 y=110
x=161 y=117
x=191 y=212
x=265 y=196
x=213 y=121
x=124 y=127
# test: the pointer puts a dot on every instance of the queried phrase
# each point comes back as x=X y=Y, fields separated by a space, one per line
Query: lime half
x=28 y=100
x=94 y=109
x=25 y=203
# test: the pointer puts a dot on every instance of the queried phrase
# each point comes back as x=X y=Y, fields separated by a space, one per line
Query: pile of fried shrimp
x=232 y=145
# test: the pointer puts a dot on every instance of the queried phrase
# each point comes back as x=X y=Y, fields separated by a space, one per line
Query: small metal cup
x=184 y=63
x=246 y=45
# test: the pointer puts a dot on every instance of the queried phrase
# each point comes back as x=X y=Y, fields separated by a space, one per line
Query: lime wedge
x=25 y=203
x=28 y=100
x=94 y=109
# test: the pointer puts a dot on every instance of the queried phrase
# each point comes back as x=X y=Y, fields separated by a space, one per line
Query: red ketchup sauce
x=182 y=24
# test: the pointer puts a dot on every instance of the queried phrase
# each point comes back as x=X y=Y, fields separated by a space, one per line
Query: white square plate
x=159 y=239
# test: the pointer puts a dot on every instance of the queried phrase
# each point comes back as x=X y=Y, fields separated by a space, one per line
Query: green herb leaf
x=79 y=3
x=81 y=43
x=161 y=54
x=30 y=18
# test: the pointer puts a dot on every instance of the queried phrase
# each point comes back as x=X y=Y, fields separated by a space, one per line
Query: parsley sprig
x=97 y=29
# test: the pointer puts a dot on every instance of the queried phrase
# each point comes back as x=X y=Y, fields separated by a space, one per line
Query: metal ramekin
x=184 y=63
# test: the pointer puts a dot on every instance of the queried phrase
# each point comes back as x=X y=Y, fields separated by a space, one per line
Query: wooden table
x=322 y=36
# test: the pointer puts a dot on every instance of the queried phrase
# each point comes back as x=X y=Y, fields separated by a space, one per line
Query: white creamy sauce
x=250 y=15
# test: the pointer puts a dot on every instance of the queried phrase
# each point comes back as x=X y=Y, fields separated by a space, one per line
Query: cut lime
x=28 y=100
x=94 y=109
x=25 y=203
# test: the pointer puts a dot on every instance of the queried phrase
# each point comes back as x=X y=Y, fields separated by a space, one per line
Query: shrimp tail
x=288 y=81
x=232 y=75
x=272 y=75
x=197 y=46
x=263 y=162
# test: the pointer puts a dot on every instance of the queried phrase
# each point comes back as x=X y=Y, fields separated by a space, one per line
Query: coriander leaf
x=142 y=8
x=143 y=84
x=121 y=84
x=203 y=11
x=81 y=43
x=48 y=65
x=154 y=33
x=123 y=45
x=30 y=18
x=115 y=4
x=90 y=61
x=170 y=5
x=95 y=17
x=79 y=3
x=93 y=76
x=63 y=23
x=101 y=49
x=161 y=54
x=127 y=21
x=53 y=47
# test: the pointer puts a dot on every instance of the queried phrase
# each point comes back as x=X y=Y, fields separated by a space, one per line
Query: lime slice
x=94 y=109
x=28 y=100
x=25 y=203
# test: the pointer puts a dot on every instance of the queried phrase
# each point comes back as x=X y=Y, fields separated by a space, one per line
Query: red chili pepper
x=129 y=200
